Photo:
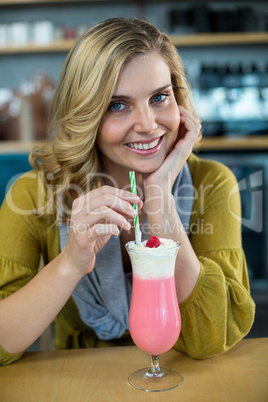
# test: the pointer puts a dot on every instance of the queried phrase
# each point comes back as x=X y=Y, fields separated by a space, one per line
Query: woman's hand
x=188 y=132
x=96 y=216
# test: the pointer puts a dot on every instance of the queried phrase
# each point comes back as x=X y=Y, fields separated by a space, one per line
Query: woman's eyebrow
x=153 y=92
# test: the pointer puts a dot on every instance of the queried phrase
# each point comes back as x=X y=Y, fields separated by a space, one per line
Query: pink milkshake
x=154 y=319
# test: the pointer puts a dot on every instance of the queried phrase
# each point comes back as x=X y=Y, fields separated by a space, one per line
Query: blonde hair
x=83 y=94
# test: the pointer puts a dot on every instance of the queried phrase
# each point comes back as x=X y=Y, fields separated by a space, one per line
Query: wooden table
x=240 y=374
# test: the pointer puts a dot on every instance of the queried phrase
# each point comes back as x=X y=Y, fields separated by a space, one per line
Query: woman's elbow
x=218 y=337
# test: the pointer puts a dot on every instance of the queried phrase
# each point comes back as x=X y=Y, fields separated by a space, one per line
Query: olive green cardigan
x=217 y=314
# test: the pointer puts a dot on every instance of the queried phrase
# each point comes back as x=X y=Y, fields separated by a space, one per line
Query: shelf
x=178 y=40
x=253 y=143
x=17 y=147
x=57 y=46
x=211 y=39
x=22 y=2
x=36 y=2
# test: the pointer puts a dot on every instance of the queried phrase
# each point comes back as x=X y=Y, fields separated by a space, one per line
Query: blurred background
x=224 y=49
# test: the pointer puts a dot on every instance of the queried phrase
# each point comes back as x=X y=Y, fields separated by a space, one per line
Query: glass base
x=147 y=380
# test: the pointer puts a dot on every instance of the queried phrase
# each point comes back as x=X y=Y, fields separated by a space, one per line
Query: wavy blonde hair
x=83 y=95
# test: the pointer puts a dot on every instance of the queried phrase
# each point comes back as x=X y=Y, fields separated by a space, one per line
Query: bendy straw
x=135 y=206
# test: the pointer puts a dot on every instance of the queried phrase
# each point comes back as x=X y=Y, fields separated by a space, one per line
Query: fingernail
x=116 y=231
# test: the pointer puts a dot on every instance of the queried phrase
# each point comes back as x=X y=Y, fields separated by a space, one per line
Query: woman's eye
x=116 y=107
x=159 y=98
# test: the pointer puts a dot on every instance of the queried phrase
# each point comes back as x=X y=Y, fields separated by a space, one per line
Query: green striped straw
x=135 y=206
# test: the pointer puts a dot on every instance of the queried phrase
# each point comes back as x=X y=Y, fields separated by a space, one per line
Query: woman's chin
x=147 y=170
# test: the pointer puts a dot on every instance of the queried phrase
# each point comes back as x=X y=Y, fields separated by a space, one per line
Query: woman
x=122 y=103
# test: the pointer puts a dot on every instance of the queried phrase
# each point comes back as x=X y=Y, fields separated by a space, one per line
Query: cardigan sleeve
x=220 y=311
x=13 y=276
x=23 y=237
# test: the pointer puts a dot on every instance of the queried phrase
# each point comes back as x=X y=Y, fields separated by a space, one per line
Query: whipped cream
x=153 y=263
x=165 y=243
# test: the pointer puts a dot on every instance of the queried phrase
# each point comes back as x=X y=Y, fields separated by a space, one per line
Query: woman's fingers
x=189 y=124
x=100 y=216
x=119 y=200
x=102 y=230
x=112 y=192
x=95 y=217
x=186 y=113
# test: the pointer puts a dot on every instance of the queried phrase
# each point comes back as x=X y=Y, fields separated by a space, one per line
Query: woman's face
x=141 y=124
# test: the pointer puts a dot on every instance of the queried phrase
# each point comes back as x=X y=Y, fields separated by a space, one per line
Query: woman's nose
x=145 y=121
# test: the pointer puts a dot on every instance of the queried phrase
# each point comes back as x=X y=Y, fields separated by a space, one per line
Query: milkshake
x=154 y=318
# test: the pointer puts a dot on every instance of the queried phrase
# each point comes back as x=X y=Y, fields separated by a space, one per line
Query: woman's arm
x=211 y=273
x=28 y=311
x=220 y=311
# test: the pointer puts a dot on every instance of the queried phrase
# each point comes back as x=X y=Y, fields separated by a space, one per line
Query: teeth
x=144 y=146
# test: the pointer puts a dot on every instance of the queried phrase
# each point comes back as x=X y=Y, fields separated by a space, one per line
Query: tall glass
x=154 y=318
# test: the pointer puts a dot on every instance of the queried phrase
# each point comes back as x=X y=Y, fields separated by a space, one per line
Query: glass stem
x=155 y=364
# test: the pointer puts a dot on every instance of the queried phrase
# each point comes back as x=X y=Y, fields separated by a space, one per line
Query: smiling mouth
x=144 y=145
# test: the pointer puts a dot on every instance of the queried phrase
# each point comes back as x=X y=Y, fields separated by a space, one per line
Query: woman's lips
x=145 y=148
